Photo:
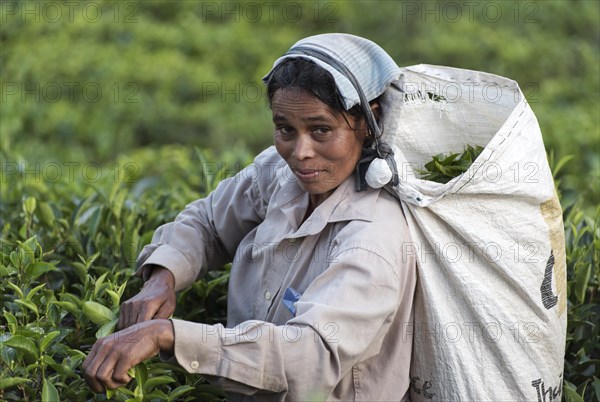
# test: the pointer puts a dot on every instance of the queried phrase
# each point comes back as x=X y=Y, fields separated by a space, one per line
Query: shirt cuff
x=201 y=349
x=172 y=259
x=197 y=346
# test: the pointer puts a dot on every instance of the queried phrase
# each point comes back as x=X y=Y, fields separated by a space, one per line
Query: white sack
x=490 y=305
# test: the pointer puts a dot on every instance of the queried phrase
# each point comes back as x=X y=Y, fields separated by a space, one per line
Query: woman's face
x=315 y=141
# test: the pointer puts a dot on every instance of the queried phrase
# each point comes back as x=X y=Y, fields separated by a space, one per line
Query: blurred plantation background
x=114 y=115
x=92 y=80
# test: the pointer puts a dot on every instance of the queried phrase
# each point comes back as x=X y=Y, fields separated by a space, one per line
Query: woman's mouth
x=307 y=175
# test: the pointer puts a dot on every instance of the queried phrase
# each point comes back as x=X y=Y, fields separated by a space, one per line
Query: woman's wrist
x=161 y=275
x=165 y=336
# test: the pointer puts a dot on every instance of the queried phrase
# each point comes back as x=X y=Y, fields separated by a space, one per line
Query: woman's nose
x=303 y=148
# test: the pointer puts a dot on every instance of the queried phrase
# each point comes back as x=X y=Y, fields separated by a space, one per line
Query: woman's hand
x=111 y=357
x=155 y=300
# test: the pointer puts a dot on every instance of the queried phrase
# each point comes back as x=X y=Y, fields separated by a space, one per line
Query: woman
x=320 y=293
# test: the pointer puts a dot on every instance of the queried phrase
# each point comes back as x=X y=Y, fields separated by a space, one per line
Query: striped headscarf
x=373 y=68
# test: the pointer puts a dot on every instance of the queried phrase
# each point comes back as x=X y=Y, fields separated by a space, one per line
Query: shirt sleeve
x=342 y=319
x=207 y=232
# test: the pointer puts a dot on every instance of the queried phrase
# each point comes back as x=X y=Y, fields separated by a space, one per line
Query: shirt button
x=268 y=295
x=194 y=364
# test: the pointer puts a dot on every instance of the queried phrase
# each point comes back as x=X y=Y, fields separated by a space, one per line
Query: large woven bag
x=490 y=305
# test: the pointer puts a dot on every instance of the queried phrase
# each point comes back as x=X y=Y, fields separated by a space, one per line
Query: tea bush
x=68 y=251
x=67 y=256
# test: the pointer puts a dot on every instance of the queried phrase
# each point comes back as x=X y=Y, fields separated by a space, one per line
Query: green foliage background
x=181 y=105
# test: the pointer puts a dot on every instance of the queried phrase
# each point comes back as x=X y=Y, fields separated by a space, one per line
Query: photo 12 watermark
x=68 y=172
x=453 y=252
x=125 y=12
x=454 y=332
x=69 y=91
x=459 y=11
x=268 y=12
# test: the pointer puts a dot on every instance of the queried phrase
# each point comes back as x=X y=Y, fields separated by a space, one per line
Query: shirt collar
x=344 y=204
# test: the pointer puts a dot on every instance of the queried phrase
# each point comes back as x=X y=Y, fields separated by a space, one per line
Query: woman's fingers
x=87 y=369
x=167 y=309
x=156 y=300
x=123 y=316
x=111 y=357
x=98 y=367
x=148 y=310
x=105 y=374
x=138 y=309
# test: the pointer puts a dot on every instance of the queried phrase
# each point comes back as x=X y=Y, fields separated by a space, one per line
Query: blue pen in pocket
x=290 y=297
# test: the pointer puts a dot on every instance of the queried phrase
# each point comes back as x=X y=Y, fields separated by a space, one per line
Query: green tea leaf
x=141 y=374
x=180 y=391
x=70 y=307
x=28 y=304
x=115 y=298
x=116 y=202
x=47 y=339
x=98 y=286
x=11 y=320
x=95 y=221
x=49 y=392
x=37 y=269
x=582 y=278
x=29 y=205
x=443 y=168
x=449 y=159
x=23 y=344
x=107 y=329
x=11 y=382
x=46 y=214
x=17 y=289
x=571 y=395
x=81 y=270
x=126 y=391
x=562 y=162
x=97 y=312
x=85 y=216
x=156 y=395
x=31 y=294
x=121 y=289
x=596 y=384
x=110 y=393
x=156 y=381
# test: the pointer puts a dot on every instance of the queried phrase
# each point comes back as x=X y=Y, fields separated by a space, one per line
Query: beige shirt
x=351 y=336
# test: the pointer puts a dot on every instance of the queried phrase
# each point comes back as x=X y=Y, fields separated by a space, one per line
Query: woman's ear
x=376 y=109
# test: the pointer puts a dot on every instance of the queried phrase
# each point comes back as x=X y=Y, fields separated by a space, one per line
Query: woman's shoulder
x=378 y=209
x=265 y=165
x=269 y=157
x=264 y=173
x=381 y=229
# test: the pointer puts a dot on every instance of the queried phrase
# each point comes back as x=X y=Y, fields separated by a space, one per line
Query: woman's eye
x=322 y=133
x=285 y=131
x=322 y=130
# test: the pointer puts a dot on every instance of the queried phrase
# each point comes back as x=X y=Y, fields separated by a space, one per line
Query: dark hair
x=307 y=75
